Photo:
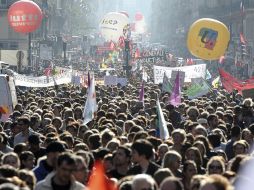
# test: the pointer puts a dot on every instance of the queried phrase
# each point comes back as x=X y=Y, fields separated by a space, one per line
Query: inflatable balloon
x=139 y=16
x=208 y=39
x=112 y=26
x=24 y=16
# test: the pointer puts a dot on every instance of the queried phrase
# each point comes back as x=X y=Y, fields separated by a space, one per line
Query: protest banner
x=193 y=71
x=152 y=56
x=43 y=81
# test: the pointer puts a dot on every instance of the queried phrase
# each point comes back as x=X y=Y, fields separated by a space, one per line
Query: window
x=14 y=45
x=3 y=2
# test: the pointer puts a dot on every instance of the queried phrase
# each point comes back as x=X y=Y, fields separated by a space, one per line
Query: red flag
x=242 y=39
x=190 y=61
x=222 y=58
x=47 y=71
x=229 y=82
x=137 y=53
x=98 y=179
x=121 y=42
x=112 y=45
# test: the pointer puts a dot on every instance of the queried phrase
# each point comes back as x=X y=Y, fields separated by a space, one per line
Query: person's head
x=235 y=132
x=162 y=150
x=11 y=159
x=72 y=128
x=172 y=160
x=122 y=156
x=106 y=136
x=247 y=135
x=94 y=141
x=57 y=122
x=212 y=121
x=192 y=113
x=216 y=182
x=23 y=123
x=189 y=169
x=216 y=165
x=179 y=136
x=28 y=177
x=67 y=112
x=66 y=165
x=34 y=142
x=113 y=144
x=27 y=160
x=171 y=183
x=81 y=171
x=196 y=181
x=143 y=182
x=194 y=154
x=20 y=147
x=240 y=147
x=82 y=130
x=162 y=174
x=53 y=150
x=141 y=150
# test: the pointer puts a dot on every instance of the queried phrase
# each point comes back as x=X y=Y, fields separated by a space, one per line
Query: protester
x=188 y=146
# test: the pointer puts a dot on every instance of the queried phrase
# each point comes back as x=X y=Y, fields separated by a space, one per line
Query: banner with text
x=152 y=56
x=43 y=81
x=193 y=71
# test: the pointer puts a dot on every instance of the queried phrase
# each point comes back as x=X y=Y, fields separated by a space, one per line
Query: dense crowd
x=45 y=145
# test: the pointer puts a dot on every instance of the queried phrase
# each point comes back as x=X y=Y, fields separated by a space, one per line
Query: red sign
x=24 y=16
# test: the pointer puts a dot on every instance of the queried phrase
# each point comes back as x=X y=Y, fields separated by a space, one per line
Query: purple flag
x=175 y=98
x=142 y=93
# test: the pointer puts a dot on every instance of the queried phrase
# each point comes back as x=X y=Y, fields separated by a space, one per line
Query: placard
x=193 y=71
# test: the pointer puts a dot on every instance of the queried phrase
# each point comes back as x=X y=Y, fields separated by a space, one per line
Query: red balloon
x=139 y=16
x=24 y=16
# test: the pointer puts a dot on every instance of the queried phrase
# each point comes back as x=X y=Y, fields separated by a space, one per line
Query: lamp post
x=127 y=53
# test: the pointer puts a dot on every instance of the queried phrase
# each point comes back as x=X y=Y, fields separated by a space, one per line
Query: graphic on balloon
x=24 y=16
x=208 y=39
x=112 y=26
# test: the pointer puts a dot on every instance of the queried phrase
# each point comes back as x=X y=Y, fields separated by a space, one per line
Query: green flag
x=198 y=89
x=166 y=85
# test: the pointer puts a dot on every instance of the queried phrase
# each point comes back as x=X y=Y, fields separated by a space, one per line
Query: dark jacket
x=42 y=170
x=152 y=168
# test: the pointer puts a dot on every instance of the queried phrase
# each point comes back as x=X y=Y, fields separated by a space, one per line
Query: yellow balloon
x=208 y=39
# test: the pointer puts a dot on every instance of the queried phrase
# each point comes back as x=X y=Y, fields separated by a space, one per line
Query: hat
x=55 y=146
x=202 y=121
x=34 y=139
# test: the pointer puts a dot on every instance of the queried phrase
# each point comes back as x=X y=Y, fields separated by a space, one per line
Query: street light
x=127 y=53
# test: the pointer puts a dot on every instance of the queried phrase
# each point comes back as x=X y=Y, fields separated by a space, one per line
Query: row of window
x=9 y=45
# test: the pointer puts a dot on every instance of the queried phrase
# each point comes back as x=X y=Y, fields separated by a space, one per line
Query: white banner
x=194 y=71
x=43 y=81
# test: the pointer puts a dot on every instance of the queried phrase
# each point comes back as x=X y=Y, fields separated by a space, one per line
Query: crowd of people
x=45 y=145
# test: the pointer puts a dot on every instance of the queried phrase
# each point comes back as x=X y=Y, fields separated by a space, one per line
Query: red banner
x=229 y=82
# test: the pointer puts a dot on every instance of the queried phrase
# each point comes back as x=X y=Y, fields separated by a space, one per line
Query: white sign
x=193 y=71
x=43 y=81
x=110 y=80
